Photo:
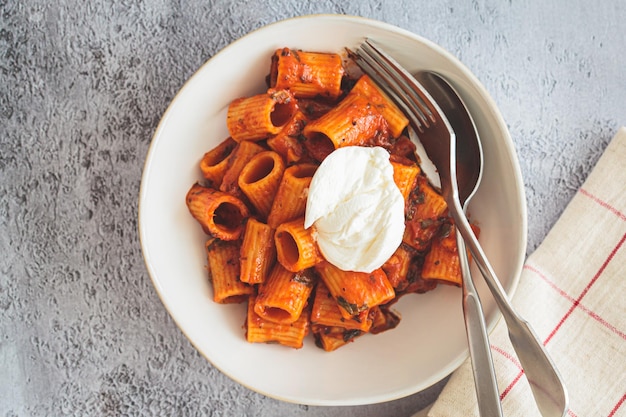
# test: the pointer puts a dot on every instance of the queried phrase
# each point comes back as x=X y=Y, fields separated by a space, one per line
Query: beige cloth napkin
x=573 y=291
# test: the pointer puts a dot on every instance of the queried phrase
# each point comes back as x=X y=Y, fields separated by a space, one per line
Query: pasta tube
x=260 y=116
x=355 y=292
x=215 y=162
x=404 y=175
x=221 y=215
x=223 y=260
x=283 y=296
x=383 y=319
x=325 y=311
x=290 y=201
x=332 y=338
x=238 y=159
x=353 y=122
x=442 y=261
x=258 y=252
x=307 y=74
x=397 y=266
x=287 y=142
x=259 y=330
x=396 y=120
x=425 y=212
x=259 y=180
x=295 y=247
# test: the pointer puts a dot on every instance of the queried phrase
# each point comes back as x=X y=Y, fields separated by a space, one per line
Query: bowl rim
x=491 y=108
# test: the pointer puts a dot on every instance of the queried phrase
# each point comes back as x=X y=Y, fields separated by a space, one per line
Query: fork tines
x=397 y=82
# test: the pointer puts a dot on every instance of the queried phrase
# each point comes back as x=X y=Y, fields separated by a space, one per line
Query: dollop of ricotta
x=356 y=208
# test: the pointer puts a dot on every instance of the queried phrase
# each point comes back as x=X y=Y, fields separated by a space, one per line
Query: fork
x=439 y=141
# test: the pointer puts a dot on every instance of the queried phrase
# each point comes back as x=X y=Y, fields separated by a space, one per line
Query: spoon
x=469 y=164
x=544 y=379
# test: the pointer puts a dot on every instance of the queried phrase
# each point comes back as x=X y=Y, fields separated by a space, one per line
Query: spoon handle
x=480 y=353
x=545 y=382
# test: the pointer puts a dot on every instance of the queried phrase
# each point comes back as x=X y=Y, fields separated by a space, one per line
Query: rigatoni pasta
x=405 y=174
x=224 y=267
x=295 y=246
x=290 y=200
x=307 y=74
x=331 y=338
x=355 y=292
x=259 y=330
x=398 y=266
x=354 y=122
x=221 y=215
x=326 y=312
x=259 y=180
x=396 y=120
x=282 y=298
x=255 y=118
x=237 y=160
x=258 y=252
x=425 y=213
x=214 y=163
x=287 y=142
x=442 y=262
x=252 y=197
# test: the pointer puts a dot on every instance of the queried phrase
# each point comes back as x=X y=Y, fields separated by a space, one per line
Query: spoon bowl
x=469 y=153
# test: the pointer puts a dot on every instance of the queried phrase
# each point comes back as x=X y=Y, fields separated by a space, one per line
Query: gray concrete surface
x=82 y=87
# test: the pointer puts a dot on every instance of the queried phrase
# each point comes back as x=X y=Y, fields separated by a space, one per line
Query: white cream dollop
x=356 y=208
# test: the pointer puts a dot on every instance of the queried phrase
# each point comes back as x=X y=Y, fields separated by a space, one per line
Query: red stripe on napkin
x=576 y=302
x=571 y=299
x=603 y=203
x=617 y=406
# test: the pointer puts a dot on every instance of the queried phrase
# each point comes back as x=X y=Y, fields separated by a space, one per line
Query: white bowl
x=430 y=341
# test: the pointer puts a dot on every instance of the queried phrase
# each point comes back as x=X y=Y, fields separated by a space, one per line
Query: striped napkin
x=573 y=291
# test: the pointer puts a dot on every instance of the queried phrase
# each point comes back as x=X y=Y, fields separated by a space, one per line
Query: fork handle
x=487 y=392
x=544 y=379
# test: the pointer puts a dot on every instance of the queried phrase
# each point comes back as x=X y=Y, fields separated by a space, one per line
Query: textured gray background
x=82 y=87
